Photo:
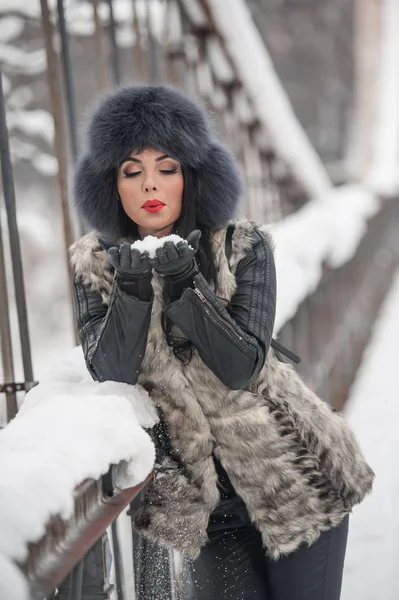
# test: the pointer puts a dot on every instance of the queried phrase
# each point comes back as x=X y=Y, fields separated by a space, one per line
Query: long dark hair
x=187 y=222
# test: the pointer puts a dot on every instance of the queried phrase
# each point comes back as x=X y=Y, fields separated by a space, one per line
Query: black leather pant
x=234 y=565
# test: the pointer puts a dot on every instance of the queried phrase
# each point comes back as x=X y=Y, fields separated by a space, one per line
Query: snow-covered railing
x=57 y=492
x=332 y=283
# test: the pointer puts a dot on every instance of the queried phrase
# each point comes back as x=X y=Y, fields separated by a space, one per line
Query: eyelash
x=164 y=171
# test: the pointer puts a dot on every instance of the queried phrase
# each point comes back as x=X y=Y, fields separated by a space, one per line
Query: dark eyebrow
x=130 y=159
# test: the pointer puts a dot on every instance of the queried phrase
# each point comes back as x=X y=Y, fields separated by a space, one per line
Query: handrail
x=65 y=543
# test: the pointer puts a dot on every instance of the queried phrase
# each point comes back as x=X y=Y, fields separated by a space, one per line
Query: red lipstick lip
x=153 y=203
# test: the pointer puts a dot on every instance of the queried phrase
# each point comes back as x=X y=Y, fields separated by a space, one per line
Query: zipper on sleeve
x=225 y=326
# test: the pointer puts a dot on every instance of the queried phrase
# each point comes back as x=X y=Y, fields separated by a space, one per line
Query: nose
x=149 y=183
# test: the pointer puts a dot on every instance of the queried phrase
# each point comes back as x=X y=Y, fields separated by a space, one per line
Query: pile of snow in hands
x=69 y=428
x=150 y=243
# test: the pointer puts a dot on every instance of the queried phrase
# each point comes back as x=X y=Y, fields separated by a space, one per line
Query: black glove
x=129 y=263
x=177 y=262
x=133 y=270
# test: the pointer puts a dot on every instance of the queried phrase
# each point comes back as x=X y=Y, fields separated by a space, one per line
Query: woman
x=255 y=475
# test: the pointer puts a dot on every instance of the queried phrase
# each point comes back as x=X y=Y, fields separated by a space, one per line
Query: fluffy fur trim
x=160 y=117
x=292 y=459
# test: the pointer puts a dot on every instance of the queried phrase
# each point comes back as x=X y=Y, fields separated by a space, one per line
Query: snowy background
x=371 y=570
x=327 y=230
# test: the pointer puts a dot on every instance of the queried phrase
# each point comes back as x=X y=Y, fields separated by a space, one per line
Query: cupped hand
x=177 y=260
x=128 y=262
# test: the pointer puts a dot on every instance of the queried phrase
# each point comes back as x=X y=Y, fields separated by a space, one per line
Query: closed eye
x=134 y=174
x=168 y=171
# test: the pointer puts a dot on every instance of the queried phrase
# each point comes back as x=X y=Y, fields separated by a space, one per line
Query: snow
x=267 y=94
x=174 y=30
x=195 y=12
x=44 y=163
x=150 y=243
x=322 y=232
x=218 y=60
x=384 y=175
x=6 y=84
x=21 y=61
x=373 y=412
x=13 y=585
x=29 y=9
x=68 y=429
x=20 y=97
x=79 y=16
x=11 y=28
x=32 y=123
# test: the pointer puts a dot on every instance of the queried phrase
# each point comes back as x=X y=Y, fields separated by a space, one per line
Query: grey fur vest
x=294 y=461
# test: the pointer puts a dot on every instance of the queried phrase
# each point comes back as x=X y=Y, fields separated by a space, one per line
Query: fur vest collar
x=293 y=460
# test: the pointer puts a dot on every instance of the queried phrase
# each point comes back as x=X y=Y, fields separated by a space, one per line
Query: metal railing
x=97 y=503
x=9 y=387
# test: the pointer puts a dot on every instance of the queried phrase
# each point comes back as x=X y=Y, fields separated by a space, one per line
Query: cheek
x=128 y=192
x=177 y=191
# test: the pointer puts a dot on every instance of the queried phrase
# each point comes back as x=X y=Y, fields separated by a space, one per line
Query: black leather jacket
x=232 y=341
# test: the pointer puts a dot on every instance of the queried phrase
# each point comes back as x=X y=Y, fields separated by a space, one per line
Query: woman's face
x=150 y=185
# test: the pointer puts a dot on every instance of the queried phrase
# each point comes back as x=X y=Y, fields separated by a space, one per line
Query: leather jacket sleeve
x=113 y=337
x=233 y=342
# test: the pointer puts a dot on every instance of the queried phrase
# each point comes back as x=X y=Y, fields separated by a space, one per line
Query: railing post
x=9 y=198
x=101 y=70
x=89 y=580
x=75 y=582
x=59 y=139
x=5 y=338
x=115 y=62
x=68 y=80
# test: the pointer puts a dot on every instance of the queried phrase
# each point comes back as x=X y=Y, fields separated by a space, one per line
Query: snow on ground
x=371 y=570
x=69 y=428
x=384 y=175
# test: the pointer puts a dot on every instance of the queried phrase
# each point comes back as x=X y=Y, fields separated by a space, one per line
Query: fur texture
x=293 y=460
x=160 y=117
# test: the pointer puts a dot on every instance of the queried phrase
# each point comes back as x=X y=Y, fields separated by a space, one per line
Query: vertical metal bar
x=139 y=69
x=75 y=582
x=68 y=80
x=59 y=138
x=117 y=558
x=101 y=69
x=9 y=198
x=115 y=63
x=151 y=47
x=5 y=337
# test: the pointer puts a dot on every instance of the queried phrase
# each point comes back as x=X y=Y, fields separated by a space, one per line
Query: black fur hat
x=159 y=117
